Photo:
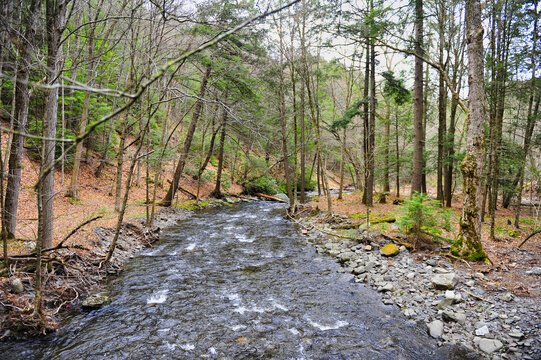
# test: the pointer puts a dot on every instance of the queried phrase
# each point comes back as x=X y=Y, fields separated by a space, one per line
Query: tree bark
x=217 y=193
x=25 y=44
x=417 y=179
x=532 y=115
x=468 y=241
x=55 y=18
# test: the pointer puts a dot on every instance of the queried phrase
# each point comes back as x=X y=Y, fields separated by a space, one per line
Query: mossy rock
x=389 y=250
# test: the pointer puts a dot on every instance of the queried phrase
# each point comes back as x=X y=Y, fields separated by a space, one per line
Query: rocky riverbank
x=75 y=274
x=453 y=304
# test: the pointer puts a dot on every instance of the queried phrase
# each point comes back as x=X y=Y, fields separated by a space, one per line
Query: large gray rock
x=282 y=197
x=445 y=281
x=490 y=345
x=97 y=300
x=16 y=285
x=435 y=328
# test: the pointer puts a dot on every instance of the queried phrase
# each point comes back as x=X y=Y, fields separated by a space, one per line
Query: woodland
x=114 y=109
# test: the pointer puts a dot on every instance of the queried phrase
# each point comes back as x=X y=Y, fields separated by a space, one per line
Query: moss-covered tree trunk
x=468 y=241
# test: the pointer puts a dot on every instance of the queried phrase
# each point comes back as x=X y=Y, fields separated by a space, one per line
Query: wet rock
x=445 y=281
x=435 y=329
x=16 y=286
x=389 y=250
x=482 y=331
x=96 y=301
x=490 y=345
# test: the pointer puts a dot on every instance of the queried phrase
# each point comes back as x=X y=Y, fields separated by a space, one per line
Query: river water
x=236 y=283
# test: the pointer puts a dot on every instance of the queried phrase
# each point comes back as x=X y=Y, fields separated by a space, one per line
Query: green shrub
x=420 y=214
x=264 y=184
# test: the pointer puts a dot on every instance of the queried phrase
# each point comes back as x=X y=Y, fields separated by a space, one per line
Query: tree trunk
x=55 y=11
x=442 y=109
x=22 y=100
x=217 y=193
x=168 y=200
x=397 y=148
x=366 y=120
x=468 y=241
x=417 y=179
x=530 y=124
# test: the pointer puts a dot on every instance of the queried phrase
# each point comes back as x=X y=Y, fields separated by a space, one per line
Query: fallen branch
x=530 y=236
x=478 y=297
x=184 y=190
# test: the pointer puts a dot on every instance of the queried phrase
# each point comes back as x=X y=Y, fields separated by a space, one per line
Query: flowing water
x=236 y=283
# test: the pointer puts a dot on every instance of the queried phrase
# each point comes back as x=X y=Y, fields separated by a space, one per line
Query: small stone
x=386 y=287
x=359 y=270
x=506 y=297
x=411 y=275
x=470 y=283
x=454 y=316
x=16 y=285
x=440 y=270
x=368 y=248
x=445 y=303
x=490 y=345
x=482 y=331
x=435 y=328
x=536 y=270
x=403 y=248
x=95 y=301
x=409 y=313
x=516 y=334
x=389 y=250
x=445 y=281
x=479 y=275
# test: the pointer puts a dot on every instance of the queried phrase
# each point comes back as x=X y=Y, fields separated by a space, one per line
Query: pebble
x=490 y=345
x=482 y=331
x=445 y=281
x=435 y=329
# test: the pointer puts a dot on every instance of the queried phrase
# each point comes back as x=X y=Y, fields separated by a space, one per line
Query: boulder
x=282 y=197
x=445 y=281
x=16 y=285
x=435 y=328
x=96 y=301
x=490 y=345
x=389 y=250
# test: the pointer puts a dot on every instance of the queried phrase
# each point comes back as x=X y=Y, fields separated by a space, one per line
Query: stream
x=236 y=283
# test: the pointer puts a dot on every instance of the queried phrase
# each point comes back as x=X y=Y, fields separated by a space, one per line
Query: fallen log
x=186 y=191
x=270 y=197
x=390 y=219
